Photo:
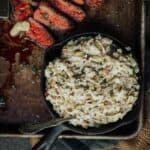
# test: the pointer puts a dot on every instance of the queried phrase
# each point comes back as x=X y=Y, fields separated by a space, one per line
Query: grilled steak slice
x=50 y=18
x=68 y=8
x=79 y=2
x=94 y=3
x=21 y=10
x=38 y=34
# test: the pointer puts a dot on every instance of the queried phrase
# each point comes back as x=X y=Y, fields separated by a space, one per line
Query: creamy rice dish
x=92 y=82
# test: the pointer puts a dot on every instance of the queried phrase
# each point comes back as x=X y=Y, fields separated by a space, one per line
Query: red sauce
x=10 y=46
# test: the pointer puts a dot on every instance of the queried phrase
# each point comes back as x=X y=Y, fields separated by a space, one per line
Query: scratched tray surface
x=20 y=60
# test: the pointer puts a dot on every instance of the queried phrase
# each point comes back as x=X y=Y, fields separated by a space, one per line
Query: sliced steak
x=38 y=34
x=79 y=2
x=50 y=18
x=21 y=10
x=94 y=3
x=70 y=9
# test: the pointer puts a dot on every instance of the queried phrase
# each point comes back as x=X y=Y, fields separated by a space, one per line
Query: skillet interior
x=55 y=52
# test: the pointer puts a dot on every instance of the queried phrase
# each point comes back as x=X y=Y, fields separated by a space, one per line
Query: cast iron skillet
x=55 y=52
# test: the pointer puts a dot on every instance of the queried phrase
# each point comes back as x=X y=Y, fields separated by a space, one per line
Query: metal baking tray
x=125 y=20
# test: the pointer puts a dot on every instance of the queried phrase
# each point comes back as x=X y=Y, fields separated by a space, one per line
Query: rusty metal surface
x=121 y=19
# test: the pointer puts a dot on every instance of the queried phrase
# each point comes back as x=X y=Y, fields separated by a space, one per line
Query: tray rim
x=106 y=137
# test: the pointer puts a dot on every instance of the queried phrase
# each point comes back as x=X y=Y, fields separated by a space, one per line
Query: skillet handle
x=48 y=140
